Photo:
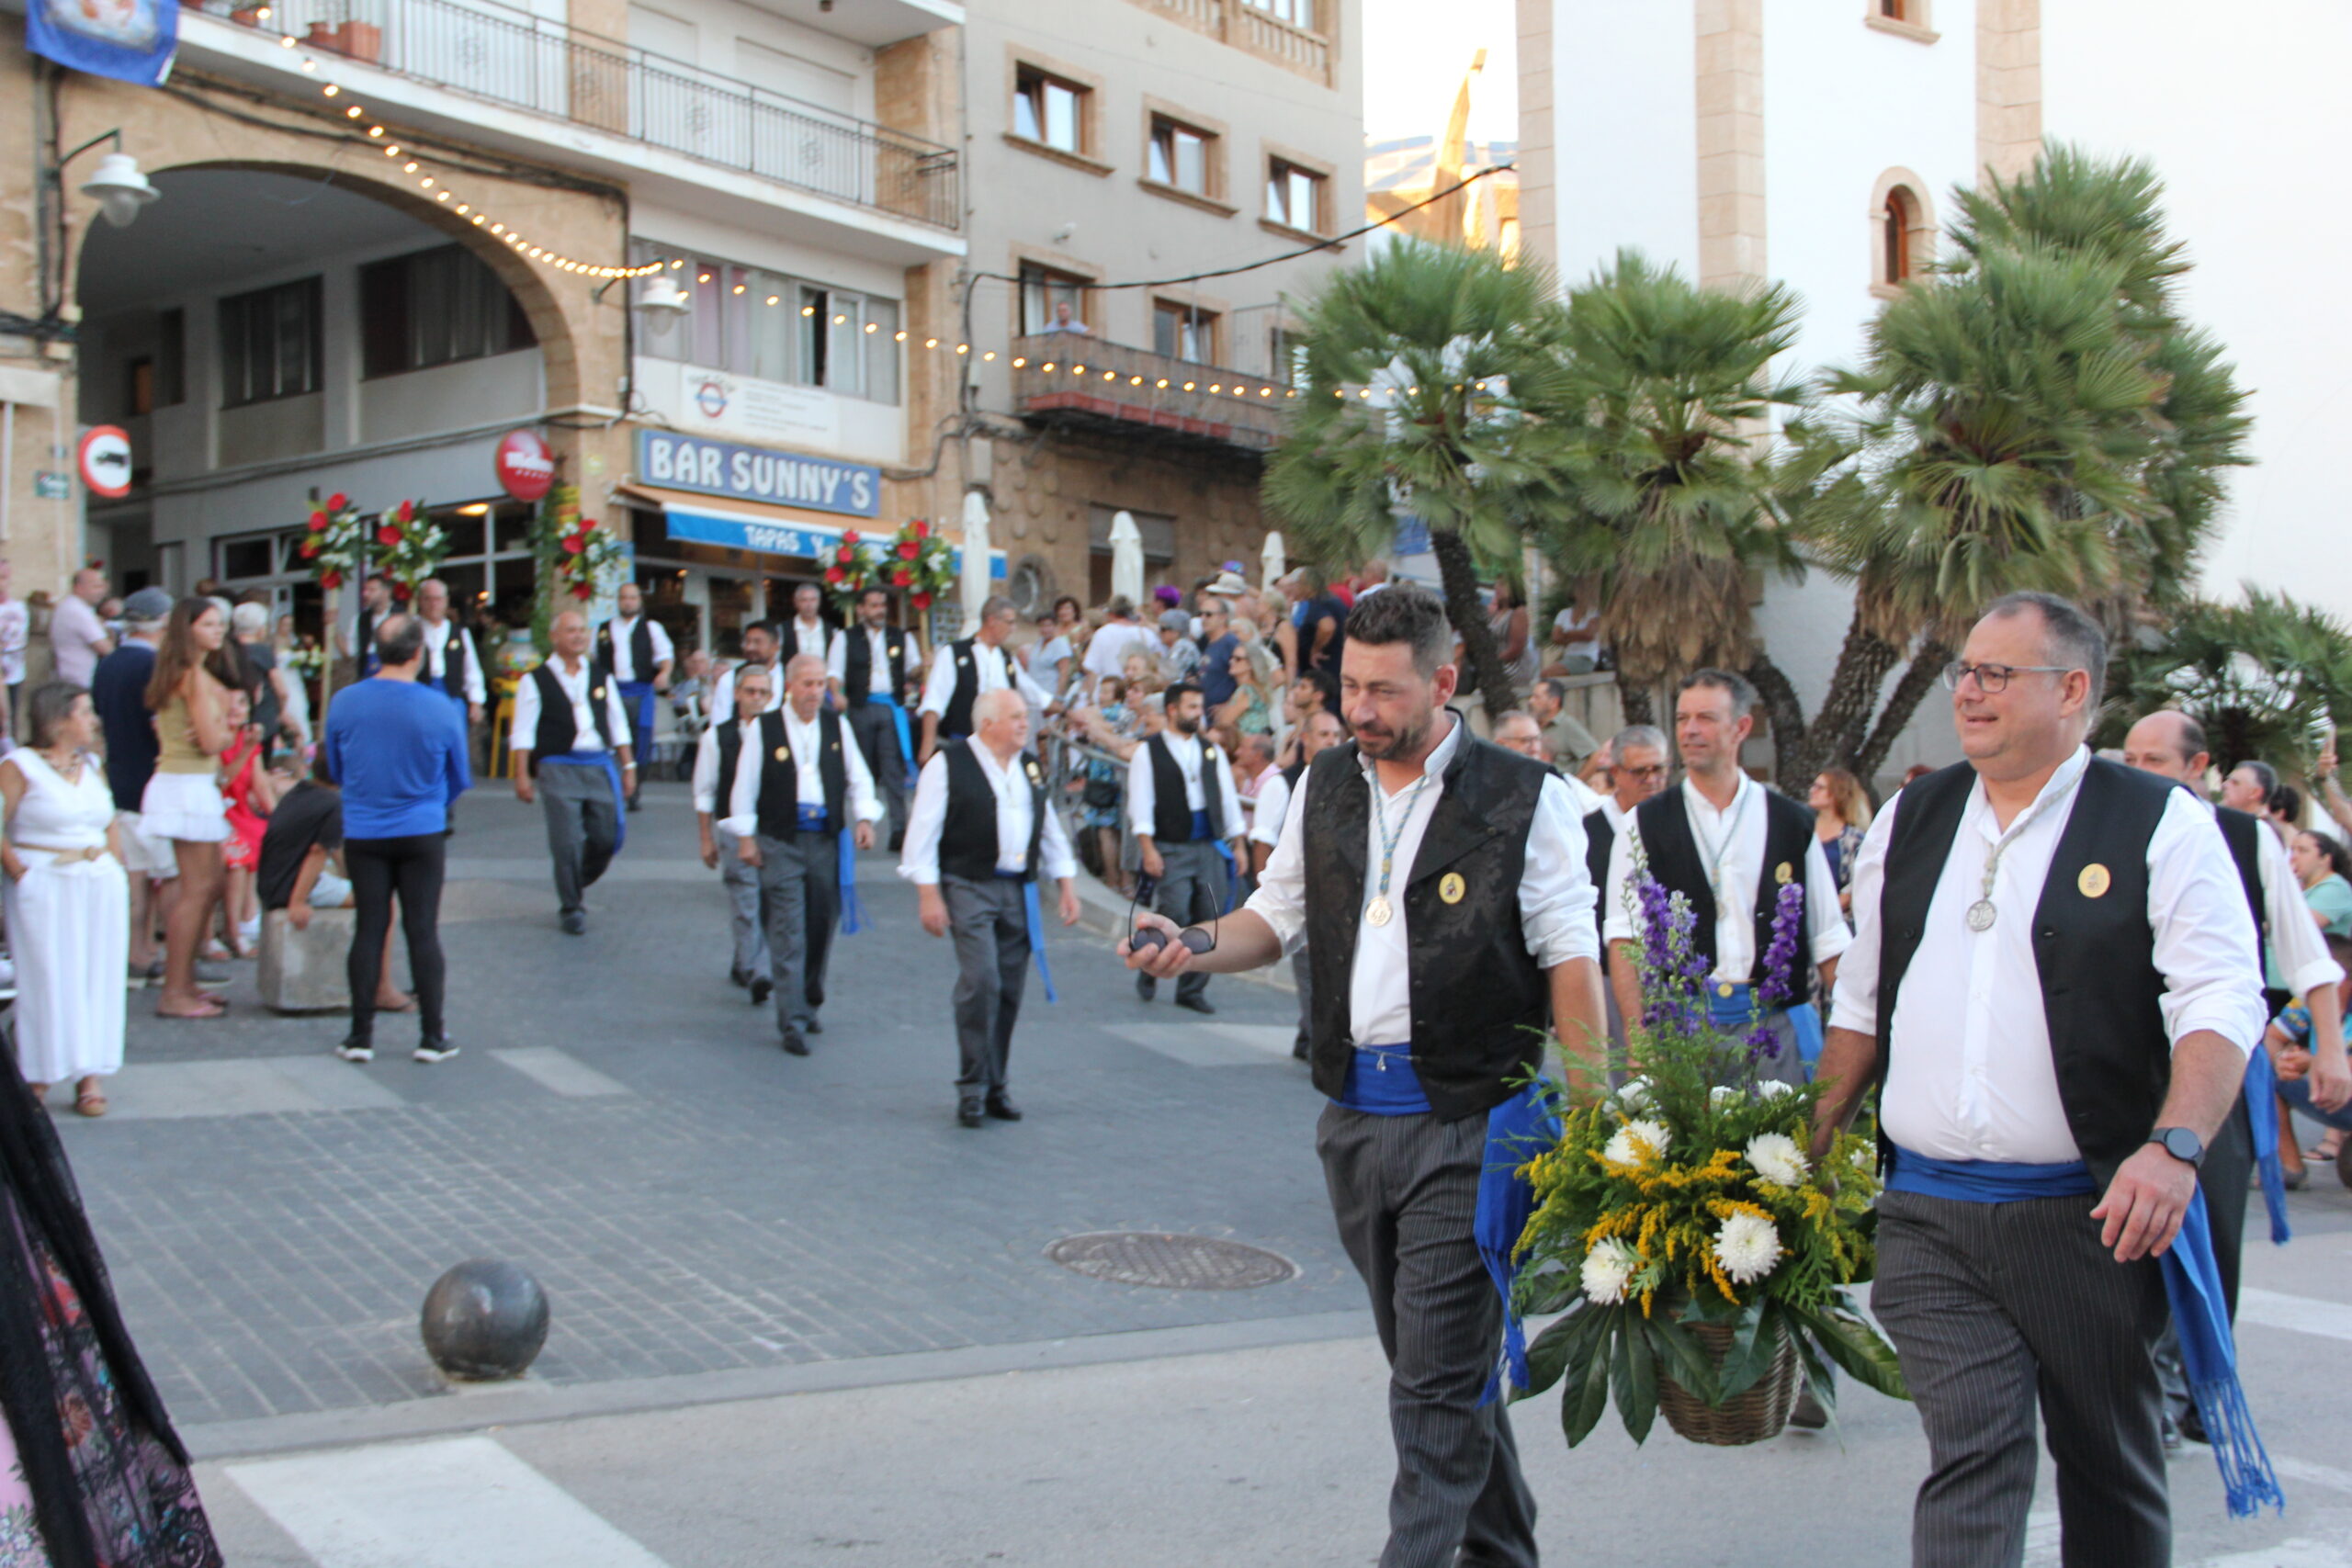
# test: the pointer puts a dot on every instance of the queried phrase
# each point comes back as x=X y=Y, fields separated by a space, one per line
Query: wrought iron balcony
x=1081 y=382
x=548 y=67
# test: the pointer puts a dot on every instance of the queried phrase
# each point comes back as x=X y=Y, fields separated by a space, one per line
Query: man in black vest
x=759 y=649
x=1185 y=815
x=1440 y=885
x=982 y=832
x=873 y=668
x=1729 y=846
x=2053 y=982
x=717 y=815
x=962 y=671
x=451 y=663
x=790 y=796
x=359 y=640
x=2171 y=745
x=570 y=752
x=1636 y=773
x=637 y=649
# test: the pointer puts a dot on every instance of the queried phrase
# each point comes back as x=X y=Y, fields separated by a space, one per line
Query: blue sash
x=612 y=771
x=1201 y=830
x=2192 y=1284
x=1381 y=1082
x=812 y=820
x=905 y=731
x=1738 y=1010
x=2261 y=1112
x=638 y=696
x=1034 y=913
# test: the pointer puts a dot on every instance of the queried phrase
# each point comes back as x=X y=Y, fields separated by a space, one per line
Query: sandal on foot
x=213 y=1009
x=90 y=1103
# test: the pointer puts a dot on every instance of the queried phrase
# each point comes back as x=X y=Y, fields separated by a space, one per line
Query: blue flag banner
x=131 y=40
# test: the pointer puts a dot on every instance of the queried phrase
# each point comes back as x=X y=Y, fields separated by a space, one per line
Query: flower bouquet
x=915 y=561
x=335 y=541
x=409 y=546
x=576 y=552
x=1700 y=1256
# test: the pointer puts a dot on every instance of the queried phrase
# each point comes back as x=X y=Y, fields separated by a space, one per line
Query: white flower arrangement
x=1722 y=1095
x=1608 y=1269
x=1635 y=1096
x=1637 y=1143
x=1747 y=1247
x=1778 y=1159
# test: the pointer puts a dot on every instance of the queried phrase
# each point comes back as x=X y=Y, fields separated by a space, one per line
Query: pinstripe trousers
x=1992 y=1308
x=1405 y=1191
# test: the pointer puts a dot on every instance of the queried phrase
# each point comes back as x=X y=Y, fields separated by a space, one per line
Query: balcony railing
x=530 y=62
x=1254 y=29
x=1071 y=379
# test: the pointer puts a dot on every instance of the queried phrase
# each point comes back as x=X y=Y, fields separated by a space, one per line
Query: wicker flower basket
x=1753 y=1416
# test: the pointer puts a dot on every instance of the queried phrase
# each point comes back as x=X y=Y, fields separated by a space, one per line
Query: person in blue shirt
x=398 y=750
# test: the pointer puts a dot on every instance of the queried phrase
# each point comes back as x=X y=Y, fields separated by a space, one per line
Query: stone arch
x=1902 y=231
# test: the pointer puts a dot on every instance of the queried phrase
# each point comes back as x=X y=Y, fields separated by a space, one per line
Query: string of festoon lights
x=435 y=187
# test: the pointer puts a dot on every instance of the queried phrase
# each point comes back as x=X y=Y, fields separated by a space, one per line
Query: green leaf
x=1634 y=1380
x=1849 y=1340
x=1751 y=1352
x=1548 y=1358
x=1554 y=1290
x=1818 y=1380
x=1684 y=1356
x=1587 y=1397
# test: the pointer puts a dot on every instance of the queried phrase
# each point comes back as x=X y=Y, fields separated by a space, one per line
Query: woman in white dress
x=68 y=900
x=182 y=801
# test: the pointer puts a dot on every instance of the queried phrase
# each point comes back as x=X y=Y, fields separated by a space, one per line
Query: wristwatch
x=2181 y=1143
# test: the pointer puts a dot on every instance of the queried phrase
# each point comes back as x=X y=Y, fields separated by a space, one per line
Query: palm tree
x=2266 y=678
x=1428 y=369
x=1665 y=384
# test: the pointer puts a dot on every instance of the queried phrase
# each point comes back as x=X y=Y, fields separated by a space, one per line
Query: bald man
x=572 y=754
x=981 y=832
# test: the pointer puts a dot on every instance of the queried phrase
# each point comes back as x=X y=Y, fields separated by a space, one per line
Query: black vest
x=1480 y=1003
x=453 y=662
x=779 y=797
x=2095 y=955
x=2240 y=831
x=363 y=641
x=557 y=729
x=1171 y=820
x=641 y=647
x=1600 y=840
x=968 y=844
x=957 y=719
x=857 y=664
x=1672 y=853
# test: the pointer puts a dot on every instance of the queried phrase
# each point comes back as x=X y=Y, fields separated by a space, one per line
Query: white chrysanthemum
x=1773 y=1088
x=1636 y=1142
x=1634 y=1095
x=1777 y=1158
x=1747 y=1247
x=1607 y=1268
x=1722 y=1095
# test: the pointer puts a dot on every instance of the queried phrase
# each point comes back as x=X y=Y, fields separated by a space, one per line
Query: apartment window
x=435 y=307
x=1048 y=109
x=1043 y=292
x=1286 y=357
x=1894 y=235
x=1301 y=13
x=1903 y=234
x=1179 y=155
x=764 y=325
x=270 y=343
x=1294 y=195
x=1184 y=332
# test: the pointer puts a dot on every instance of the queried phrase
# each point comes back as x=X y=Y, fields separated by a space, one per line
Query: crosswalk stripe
x=456 y=1503
x=2303 y=1314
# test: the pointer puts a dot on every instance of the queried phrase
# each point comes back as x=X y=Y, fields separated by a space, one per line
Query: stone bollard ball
x=483 y=1320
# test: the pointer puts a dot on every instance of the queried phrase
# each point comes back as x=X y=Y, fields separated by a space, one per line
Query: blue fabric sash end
x=1200 y=832
x=2192 y=1284
x=2261 y=1112
x=1033 y=913
x=612 y=771
x=1517 y=1130
x=639 y=697
x=1740 y=1010
x=852 y=909
x=905 y=731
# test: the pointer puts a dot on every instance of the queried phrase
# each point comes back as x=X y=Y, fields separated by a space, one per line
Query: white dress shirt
x=436 y=658
x=723 y=694
x=992 y=667
x=927 y=817
x=807 y=741
x=1738 y=875
x=1555 y=894
x=576 y=684
x=1143 y=787
x=882 y=680
x=814 y=637
x=1267 y=812
x=1107 y=650
x=624 y=657
x=2297 y=948
x=1970 y=1074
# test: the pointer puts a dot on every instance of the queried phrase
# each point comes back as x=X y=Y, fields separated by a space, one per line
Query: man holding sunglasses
x=1439 y=886
x=979 y=835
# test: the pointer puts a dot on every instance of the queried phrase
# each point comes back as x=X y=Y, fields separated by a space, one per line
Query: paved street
x=800 y=1316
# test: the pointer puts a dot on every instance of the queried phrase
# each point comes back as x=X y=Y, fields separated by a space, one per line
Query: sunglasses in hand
x=1194 y=939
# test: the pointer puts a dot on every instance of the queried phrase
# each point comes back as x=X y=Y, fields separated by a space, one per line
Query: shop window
x=1294 y=195
x=762 y=325
x=1042 y=291
x=1048 y=109
x=1184 y=332
x=1179 y=155
x=435 y=307
x=270 y=343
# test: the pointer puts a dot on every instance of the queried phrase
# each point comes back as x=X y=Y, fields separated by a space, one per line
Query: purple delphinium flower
x=1781 y=952
x=1671 y=968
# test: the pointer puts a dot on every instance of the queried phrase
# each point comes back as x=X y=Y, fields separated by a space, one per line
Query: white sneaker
x=249 y=931
x=440 y=1052
x=356 y=1053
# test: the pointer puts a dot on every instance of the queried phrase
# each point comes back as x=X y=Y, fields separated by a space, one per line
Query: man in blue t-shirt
x=118 y=691
x=398 y=749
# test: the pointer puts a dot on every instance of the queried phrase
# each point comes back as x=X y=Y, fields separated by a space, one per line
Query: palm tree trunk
x=1459 y=576
x=1901 y=704
x=1635 y=699
x=1843 y=718
x=1781 y=705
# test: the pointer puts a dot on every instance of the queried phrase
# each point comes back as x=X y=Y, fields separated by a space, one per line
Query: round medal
x=1379 y=911
x=1982 y=914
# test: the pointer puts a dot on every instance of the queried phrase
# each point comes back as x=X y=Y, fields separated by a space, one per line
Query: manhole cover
x=1172 y=1262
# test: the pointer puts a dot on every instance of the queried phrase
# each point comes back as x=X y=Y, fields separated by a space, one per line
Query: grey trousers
x=1191 y=889
x=800 y=887
x=1405 y=1192
x=746 y=918
x=877 y=742
x=582 y=826
x=990 y=930
x=1993 y=1308
x=1302 y=975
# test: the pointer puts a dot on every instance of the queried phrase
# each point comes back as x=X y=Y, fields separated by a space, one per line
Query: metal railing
x=550 y=68
x=1253 y=29
x=1085 y=379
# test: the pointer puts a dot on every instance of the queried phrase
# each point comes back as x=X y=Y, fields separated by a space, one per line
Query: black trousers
x=413 y=868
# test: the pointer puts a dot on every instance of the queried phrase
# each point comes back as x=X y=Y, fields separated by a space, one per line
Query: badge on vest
x=1784 y=873
x=784 y=753
x=1724 y=988
x=1036 y=779
x=595 y=693
x=2095 y=881
x=1449 y=887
